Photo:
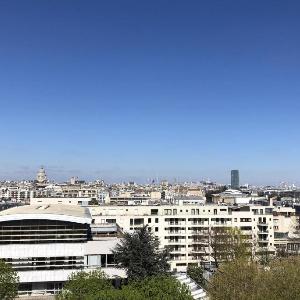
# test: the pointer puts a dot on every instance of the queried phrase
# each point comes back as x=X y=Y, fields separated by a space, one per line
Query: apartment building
x=46 y=243
x=15 y=193
x=185 y=229
x=287 y=230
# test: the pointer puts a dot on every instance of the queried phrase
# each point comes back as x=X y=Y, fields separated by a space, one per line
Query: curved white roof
x=59 y=212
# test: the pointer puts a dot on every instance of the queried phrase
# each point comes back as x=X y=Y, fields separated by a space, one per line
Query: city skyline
x=58 y=174
x=141 y=90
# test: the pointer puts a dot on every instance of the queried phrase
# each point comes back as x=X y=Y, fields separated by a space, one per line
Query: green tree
x=238 y=279
x=229 y=243
x=161 y=287
x=196 y=273
x=84 y=285
x=9 y=282
x=282 y=281
x=140 y=255
x=94 y=202
x=95 y=286
x=243 y=280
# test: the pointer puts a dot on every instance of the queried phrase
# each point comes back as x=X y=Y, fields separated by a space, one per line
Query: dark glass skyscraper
x=235 y=179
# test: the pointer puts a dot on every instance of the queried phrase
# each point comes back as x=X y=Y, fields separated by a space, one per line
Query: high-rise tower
x=235 y=179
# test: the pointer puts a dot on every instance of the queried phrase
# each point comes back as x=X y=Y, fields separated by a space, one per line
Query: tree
x=140 y=255
x=161 y=287
x=282 y=282
x=243 y=280
x=83 y=285
x=94 y=202
x=227 y=243
x=9 y=282
x=196 y=273
x=238 y=279
x=95 y=286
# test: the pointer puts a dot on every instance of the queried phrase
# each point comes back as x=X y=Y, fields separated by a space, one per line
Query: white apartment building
x=46 y=243
x=184 y=229
x=15 y=193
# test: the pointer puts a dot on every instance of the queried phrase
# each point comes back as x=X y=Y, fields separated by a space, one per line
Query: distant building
x=235 y=179
x=41 y=176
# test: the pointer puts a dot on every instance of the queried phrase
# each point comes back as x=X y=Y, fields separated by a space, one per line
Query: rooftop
x=56 y=211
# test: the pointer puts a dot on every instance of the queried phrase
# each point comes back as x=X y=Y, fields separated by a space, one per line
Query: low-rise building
x=46 y=243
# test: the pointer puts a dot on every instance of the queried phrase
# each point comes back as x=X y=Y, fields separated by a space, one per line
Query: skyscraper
x=235 y=179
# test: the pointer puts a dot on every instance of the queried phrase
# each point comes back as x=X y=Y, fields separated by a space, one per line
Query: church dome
x=41 y=176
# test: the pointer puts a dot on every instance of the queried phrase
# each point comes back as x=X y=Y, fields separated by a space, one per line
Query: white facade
x=46 y=243
x=179 y=226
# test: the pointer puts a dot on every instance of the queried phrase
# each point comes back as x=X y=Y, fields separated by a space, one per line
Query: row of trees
x=95 y=285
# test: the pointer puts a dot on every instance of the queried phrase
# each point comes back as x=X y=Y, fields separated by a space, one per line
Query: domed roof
x=41 y=175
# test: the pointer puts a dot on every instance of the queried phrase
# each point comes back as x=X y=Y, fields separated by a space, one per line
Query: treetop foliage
x=9 y=282
x=140 y=255
x=95 y=286
x=82 y=284
x=243 y=280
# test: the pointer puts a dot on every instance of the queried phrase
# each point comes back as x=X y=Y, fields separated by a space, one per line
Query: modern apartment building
x=185 y=229
x=46 y=243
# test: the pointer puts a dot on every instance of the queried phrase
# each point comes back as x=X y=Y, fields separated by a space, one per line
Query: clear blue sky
x=140 y=89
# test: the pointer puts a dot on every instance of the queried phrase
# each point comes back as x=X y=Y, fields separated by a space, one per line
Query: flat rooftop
x=50 y=209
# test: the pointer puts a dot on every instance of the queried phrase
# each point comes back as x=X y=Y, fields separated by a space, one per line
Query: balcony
x=200 y=242
x=176 y=223
x=201 y=223
x=176 y=232
x=199 y=233
x=264 y=224
x=263 y=232
x=179 y=251
x=198 y=251
x=176 y=242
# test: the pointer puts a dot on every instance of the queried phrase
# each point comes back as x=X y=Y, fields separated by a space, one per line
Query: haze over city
x=131 y=90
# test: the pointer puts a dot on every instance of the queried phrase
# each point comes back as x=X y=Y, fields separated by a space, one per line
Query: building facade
x=185 y=229
x=235 y=179
x=46 y=243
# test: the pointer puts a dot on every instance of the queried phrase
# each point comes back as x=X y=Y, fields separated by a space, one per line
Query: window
x=154 y=212
x=138 y=221
x=156 y=229
x=149 y=220
x=156 y=220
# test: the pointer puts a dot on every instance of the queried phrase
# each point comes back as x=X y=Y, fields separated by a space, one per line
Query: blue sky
x=145 y=89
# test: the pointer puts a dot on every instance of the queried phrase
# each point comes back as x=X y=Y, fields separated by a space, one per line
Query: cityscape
x=181 y=215
x=149 y=150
